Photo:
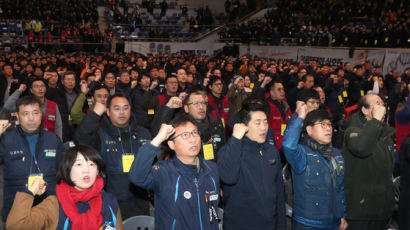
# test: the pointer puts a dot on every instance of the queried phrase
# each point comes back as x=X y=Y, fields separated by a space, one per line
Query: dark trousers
x=299 y=226
x=367 y=224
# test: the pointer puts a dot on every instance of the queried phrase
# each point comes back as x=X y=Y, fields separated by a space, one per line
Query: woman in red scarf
x=81 y=202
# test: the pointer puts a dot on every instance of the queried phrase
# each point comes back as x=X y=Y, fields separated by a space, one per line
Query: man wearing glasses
x=196 y=105
x=186 y=186
x=217 y=100
x=317 y=170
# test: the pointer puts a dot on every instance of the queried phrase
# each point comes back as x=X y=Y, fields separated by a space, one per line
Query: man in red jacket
x=217 y=100
x=279 y=111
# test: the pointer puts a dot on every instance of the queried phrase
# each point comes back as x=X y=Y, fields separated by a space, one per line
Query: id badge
x=340 y=99
x=32 y=177
x=344 y=93
x=107 y=226
x=282 y=129
x=127 y=160
x=151 y=111
x=208 y=152
x=223 y=122
x=362 y=93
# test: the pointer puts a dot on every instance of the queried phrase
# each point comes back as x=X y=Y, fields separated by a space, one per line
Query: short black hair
x=105 y=74
x=37 y=79
x=306 y=76
x=68 y=73
x=118 y=94
x=89 y=154
x=248 y=108
x=314 y=116
x=181 y=119
x=27 y=100
x=122 y=71
x=170 y=76
x=306 y=94
x=213 y=79
x=98 y=86
x=273 y=82
x=141 y=75
x=195 y=90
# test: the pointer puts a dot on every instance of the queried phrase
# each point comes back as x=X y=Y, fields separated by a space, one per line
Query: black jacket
x=368 y=150
x=404 y=201
x=59 y=97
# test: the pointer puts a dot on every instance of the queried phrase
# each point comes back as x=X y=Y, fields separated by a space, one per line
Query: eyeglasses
x=186 y=135
x=197 y=103
x=324 y=125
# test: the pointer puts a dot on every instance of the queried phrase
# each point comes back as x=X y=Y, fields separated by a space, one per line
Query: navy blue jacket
x=180 y=191
x=319 y=199
x=109 y=212
x=251 y=174
x=97 y=131
x=16 y=156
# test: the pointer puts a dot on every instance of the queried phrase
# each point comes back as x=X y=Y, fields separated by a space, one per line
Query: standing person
x=279 y=111
x=368 y=150
x=28 y=152
x=81 y=202
x=114 y=132
x=196 y=107
x=317 y=170
x=186 y=186
x=51 y=115
x=217 y=100
x=65 y=98
x=251 y=173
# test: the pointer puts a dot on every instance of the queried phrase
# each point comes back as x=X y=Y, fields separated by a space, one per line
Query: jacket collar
x=113 y=130
x=191 y=171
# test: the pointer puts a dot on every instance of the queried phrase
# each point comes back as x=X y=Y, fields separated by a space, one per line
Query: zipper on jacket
x=173 y=224
x=199 y=204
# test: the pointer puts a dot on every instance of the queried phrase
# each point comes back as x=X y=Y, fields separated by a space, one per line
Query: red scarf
x=69 y=196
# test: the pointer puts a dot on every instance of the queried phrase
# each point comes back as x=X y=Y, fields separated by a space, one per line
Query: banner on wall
x=334 y=57
x=396 y=59
x=275 y=52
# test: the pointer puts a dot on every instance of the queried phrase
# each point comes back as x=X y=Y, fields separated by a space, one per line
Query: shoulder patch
x=353 y=135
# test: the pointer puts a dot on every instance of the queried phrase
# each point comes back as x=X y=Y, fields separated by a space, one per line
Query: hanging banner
x=396 y=59
x=273 y=52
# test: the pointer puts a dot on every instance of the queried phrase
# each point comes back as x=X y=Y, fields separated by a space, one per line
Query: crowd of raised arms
x=91 y=139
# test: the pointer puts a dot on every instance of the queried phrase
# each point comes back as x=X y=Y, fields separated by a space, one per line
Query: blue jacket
x=109 y=212
x=319 y=199
x=180 y=191
x=16 y=156
x=253 y=186
x=112 y=142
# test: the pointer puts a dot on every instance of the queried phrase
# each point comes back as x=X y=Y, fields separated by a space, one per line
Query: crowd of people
x=333 y=23
x=200 y=132
x=46 y=21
